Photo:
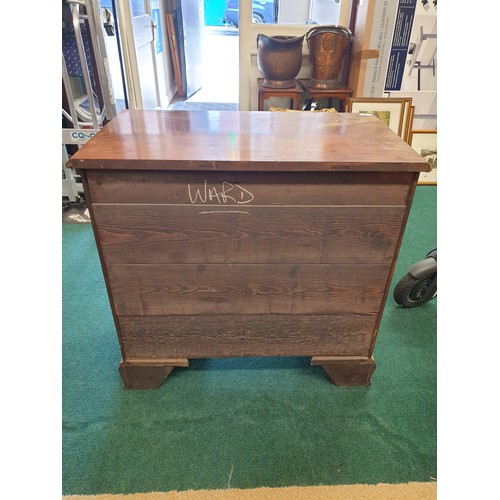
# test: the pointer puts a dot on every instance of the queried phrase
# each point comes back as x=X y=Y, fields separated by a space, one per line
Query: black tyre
x=257 y=18
x=412 y=292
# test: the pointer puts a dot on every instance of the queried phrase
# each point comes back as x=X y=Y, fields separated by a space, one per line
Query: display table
x=343 y=94
x=227 y=234
x=293 y=93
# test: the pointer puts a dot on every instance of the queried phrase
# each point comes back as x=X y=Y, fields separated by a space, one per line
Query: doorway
x=141 y=61
x=220 y=72
x=219 y=63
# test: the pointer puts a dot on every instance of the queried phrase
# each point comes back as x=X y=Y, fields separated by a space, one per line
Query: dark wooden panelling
x=147 y=234
x=155 y=289
x=162 y=337
x=266 y=188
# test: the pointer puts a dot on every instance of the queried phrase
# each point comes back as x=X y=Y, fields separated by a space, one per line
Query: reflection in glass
x=287 y=12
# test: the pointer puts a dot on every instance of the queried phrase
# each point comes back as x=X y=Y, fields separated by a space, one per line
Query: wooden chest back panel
x=249 y=188
x=190 y=289
x=166 y=234
x=160 y=337
x=246 y=264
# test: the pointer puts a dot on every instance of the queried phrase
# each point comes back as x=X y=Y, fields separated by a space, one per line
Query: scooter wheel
x=410 y=291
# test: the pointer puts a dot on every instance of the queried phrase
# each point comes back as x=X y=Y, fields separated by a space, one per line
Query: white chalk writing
x=228 y=194
x=224 y=212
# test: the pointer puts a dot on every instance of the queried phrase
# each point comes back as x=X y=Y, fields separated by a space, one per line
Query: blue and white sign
x=400 y=44
x=77 y=136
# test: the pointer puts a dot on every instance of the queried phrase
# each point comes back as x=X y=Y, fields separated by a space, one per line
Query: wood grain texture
x=161 y=337
x=147 y=234
x=155 y=289
x=249 y=141
x=267 y=188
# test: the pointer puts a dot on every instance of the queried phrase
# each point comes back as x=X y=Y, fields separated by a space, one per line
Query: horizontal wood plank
x=149 y=234
x=162 y=337
x=250 y=188
x=183 y=289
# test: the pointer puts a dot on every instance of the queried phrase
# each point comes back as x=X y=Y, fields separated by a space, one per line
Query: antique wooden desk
x=247 y=234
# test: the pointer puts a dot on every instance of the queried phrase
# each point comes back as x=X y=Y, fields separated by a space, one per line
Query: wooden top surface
x=247 y=141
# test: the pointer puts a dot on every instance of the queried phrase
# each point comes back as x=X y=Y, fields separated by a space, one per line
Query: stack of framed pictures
x=398 y=114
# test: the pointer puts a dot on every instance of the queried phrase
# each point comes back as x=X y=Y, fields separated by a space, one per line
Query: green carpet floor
x=245 y=423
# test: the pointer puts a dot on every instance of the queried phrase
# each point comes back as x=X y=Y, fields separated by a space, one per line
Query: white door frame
x=132 y=75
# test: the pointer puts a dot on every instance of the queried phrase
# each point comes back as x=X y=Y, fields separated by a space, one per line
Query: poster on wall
x=415 y=67
x=383 y=19
x=419 y=77
x=400 y=44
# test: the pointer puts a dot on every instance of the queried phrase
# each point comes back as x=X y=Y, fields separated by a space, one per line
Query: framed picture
x=406 y=118
x=424 y=142
x=389 y=110
x=408 y=115
x=409 y=130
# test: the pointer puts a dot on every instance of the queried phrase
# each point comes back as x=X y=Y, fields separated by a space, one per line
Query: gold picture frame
x=409 y=128
x=389 y=110
x=424 y=142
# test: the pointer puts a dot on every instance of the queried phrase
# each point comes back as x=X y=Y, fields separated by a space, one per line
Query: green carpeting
x=251 y=422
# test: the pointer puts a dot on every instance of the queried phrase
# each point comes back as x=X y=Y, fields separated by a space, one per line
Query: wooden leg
x=346 y=370
x=147 y=374
x=345 y=103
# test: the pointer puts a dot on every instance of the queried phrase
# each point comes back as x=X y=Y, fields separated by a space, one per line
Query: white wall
x=325 y=11
x=298 y=11
x=293 y=11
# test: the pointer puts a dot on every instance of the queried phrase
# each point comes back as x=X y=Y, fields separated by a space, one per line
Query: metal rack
x=88 y=111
